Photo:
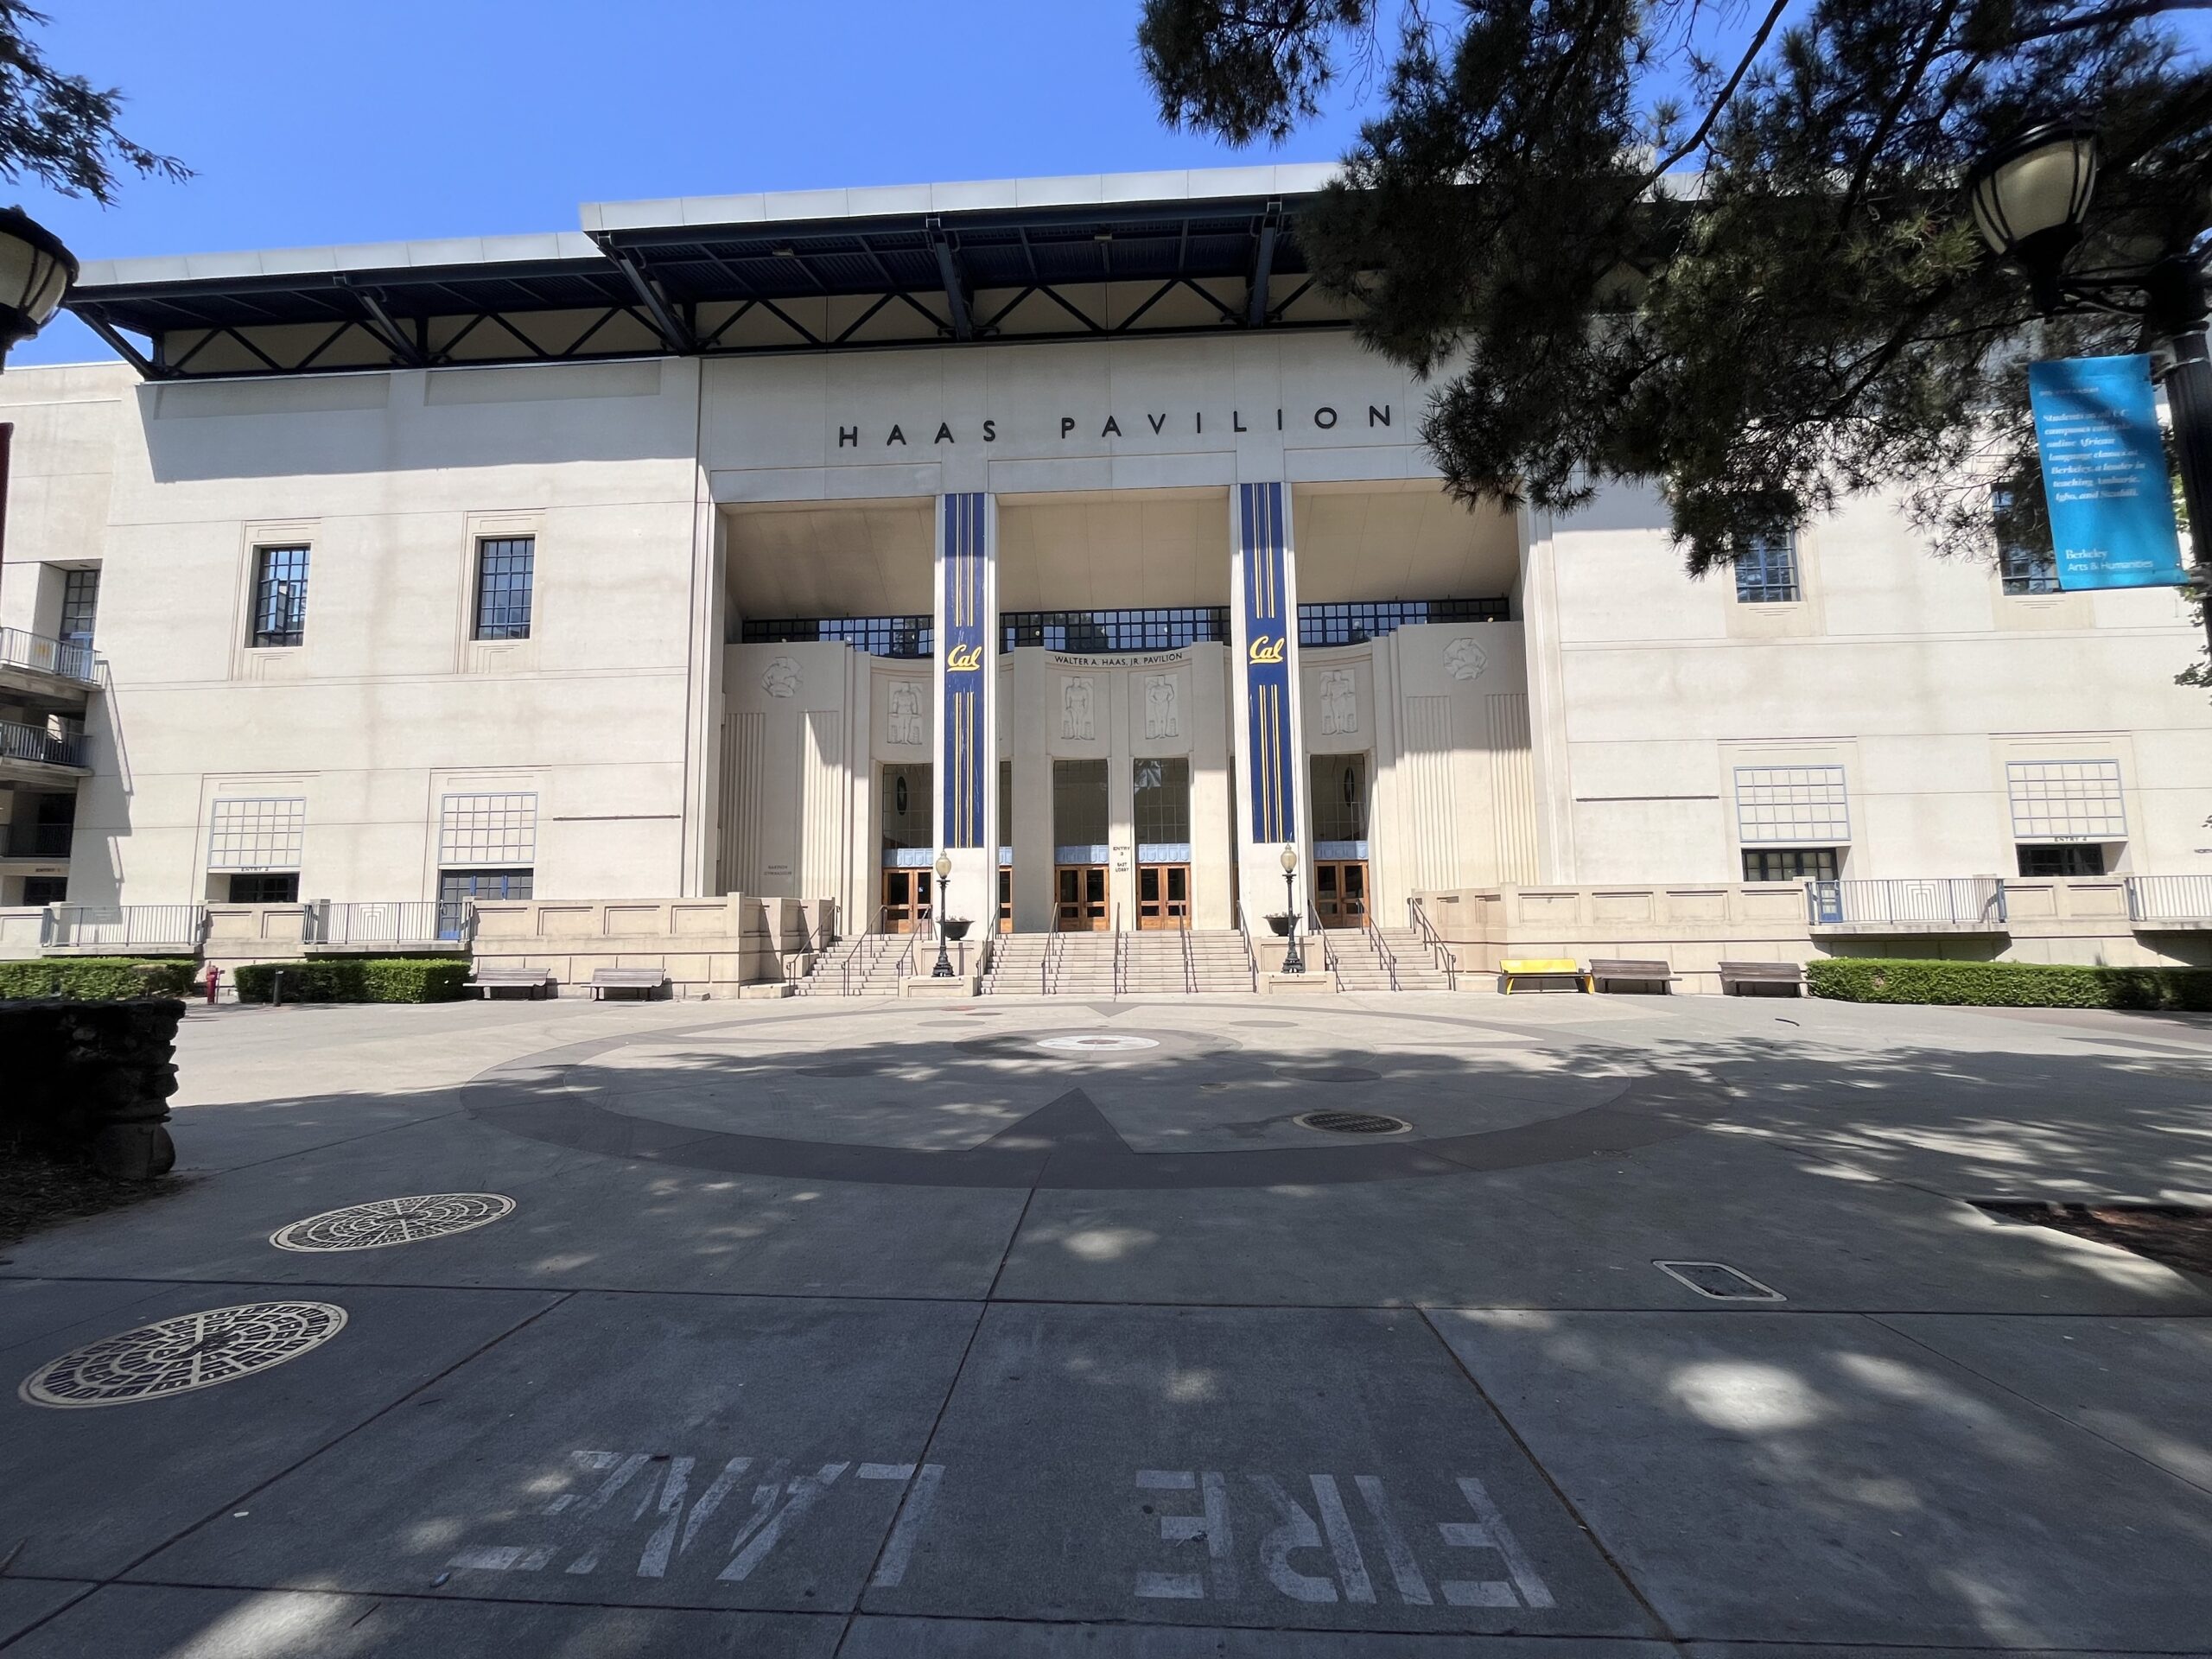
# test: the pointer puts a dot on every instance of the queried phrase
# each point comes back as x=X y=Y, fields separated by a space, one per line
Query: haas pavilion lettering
x=1323 y=418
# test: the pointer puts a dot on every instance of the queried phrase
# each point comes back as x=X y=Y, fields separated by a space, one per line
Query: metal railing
x=1319 y=935
x=1440 y=953
x=2156 y=898
x=1056 y=946
x=21 y=649
x=1382 y=951
x=171 y=928
x=39 y=840
x=1119 y=959
x=1962 y=901
x=420 y=923
x=1190 y=965
x=1251 y=957
x=21 y=742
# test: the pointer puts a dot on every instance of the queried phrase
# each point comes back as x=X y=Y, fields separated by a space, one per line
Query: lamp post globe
x=944 y=868
x=1292 y=961
x=2030 y=195
x=35 y=271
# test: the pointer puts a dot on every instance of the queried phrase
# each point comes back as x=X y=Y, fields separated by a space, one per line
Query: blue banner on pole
x=2104 y=474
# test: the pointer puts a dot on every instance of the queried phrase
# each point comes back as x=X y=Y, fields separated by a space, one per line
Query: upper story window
x=2065 y=858
x=503 y=580
x=257 y=833
x=1789 y=864
x=280 y=595
x=2023 y=567
x=1792 y=806
x=80 y=604
x=488 y=829
x=1766 y=570
x=2066 y=801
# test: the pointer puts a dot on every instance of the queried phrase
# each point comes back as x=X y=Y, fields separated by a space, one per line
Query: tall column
x=967 y=674
x=1270 y=732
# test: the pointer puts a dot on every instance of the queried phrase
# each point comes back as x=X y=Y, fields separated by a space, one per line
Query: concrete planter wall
x=91 y=1077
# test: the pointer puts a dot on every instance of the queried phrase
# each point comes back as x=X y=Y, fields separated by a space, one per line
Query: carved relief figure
x=781 y=677
x=1075 y=709
x=1339 y=702
x=906 y=713
x=1160 y=706
x=1465 y=659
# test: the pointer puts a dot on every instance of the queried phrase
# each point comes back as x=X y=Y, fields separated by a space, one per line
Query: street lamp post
x=2030 y=195
x=1292 y=962
x=943 y=969
x=35 y=271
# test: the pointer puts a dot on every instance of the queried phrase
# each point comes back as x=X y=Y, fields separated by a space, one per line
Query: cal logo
x=1266 y=648
x=963 y=659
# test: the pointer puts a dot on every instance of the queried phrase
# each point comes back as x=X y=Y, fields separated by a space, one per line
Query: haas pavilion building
x=686 y=588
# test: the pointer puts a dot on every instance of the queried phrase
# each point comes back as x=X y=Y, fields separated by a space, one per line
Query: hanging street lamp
x=35 y=271
x=1292 y=962
x=943 y=969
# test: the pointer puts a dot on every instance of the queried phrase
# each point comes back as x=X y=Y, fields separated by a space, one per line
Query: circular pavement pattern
x=381 y=1222
x=193 y=1350
x=1098 y=1042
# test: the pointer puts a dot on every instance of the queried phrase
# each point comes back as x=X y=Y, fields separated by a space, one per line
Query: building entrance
x=1005 y=899
x=1080 y=901
x=1164 y=895
x=905 y=900
x=1340 y=892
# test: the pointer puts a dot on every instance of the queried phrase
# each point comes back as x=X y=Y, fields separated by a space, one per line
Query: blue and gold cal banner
x=1269 y=629
x=966 y=642
x=2104 y=474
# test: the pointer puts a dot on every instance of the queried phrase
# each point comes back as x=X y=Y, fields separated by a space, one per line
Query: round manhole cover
x=1351 y=1123
x=193 y=1350
x=1098 y=1042
x=393 y=1221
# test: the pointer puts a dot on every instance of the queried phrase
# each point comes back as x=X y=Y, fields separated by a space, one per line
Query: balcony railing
x=2155 y=899
x=1965 y=902
x=164 y=929
x=409 y=924
x=39 y=840
x=21 y=742
x=22 y=649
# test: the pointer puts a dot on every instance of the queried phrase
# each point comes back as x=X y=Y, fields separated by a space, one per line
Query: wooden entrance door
x=1079 y=892
x=905 y=900
x=1005 y=899
x=1340 y=892
x=1163 y=895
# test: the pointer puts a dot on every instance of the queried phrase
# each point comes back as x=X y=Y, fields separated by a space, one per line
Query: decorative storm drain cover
x=1351 y=1122
x=393 y=1221
x=1717 y=1281
x=1100 y=1042
x=193 y=1350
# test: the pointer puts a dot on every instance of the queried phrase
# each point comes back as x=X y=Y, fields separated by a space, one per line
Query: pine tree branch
x=2128 y=14
x=1743 y=67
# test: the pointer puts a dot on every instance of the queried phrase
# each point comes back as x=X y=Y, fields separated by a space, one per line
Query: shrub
x=357 y=979
x=2008 y=984
x=96 y=979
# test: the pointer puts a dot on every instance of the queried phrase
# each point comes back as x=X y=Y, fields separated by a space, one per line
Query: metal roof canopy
x=950 y=263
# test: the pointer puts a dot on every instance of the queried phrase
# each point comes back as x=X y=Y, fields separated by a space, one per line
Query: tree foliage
x=59 y=129
x=1721 y=250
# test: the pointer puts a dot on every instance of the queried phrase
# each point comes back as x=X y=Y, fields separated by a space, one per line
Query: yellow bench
x=1545 y=967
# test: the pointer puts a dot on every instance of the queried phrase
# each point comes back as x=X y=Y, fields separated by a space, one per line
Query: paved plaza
x=1029 y=1326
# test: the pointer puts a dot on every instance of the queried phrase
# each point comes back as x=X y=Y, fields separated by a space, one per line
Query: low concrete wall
x=19 y=930
x=1696 y=926
x=92 y=1076
x=240 y=935
x=707 y=946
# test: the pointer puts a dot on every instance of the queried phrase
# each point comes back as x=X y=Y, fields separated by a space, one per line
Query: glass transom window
x=504 y=568
x=489 y=829
x=1791 y=806
x=1766 y=570
x=261 y=833
x=2066 y=800
x=280 y=595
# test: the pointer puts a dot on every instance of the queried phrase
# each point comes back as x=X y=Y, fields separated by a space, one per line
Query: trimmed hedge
x=2008 y=984
x=96 y=979
x=357 y=979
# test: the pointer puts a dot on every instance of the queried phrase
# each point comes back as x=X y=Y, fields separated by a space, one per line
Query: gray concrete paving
x=856 y=1329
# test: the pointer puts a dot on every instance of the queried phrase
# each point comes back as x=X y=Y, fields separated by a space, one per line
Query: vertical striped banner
x=964 y=637
x=1270 y=635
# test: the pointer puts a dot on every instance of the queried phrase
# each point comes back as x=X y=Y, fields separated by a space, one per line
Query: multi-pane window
x=1789 y=864
x=1005 y=808
x=906 y=806
x=1163 y=801
x=454 y=886
x=1792 y=805
x=1350 y=624
x=2066 y=800
x=2022 y=568
x=2072 y=858
x=872 y=636
x=1339 y=797
x=280 y=595
x=257 y=833
x=1079 y=814
x=1766 y=570
x=502 y=579
x=1164 y=628
x=488 y=829
x=80 y=604
x=269 y=887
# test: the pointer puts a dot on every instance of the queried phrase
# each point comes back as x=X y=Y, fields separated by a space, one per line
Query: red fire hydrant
x=214 y=974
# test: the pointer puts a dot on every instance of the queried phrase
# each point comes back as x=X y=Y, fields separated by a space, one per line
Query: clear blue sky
x=311 y=125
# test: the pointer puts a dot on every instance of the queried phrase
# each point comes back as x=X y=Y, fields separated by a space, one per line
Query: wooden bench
x=535 y=981
x=1564 y=968
x=644 y=981
x=1632 y=970
x=1782 y=976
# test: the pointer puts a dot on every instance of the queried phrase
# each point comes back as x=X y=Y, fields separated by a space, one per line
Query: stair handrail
x=1328 y=956
x=904 y=968
x=1440 y=953
x=1056 y=944
x=1190 y=966
x=1382 y=949
x=1117 y=948
x=1251 y=957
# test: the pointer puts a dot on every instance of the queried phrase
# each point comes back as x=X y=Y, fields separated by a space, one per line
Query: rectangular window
x=1766 y=570
x=80 y=604
x=2066 y=800
x=1789 y=864
x=1339 y=797
x=272 y=888
x=488 y=829
x=1079 y=814
x=2072 y=858
x=906 y=807
x=503 y=577
x=280 y=595
x=46 y=889
x=257 y=833
x=454 y=886
x=1163 y=801
x=2023 y=568
x=1006 y=809
x=1791 y=805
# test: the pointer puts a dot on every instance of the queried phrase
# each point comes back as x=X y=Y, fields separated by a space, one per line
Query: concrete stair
x=1152 y=963
x=1017 y=964
x=1360 y=967
x=1082 y=965
x=874 y=961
